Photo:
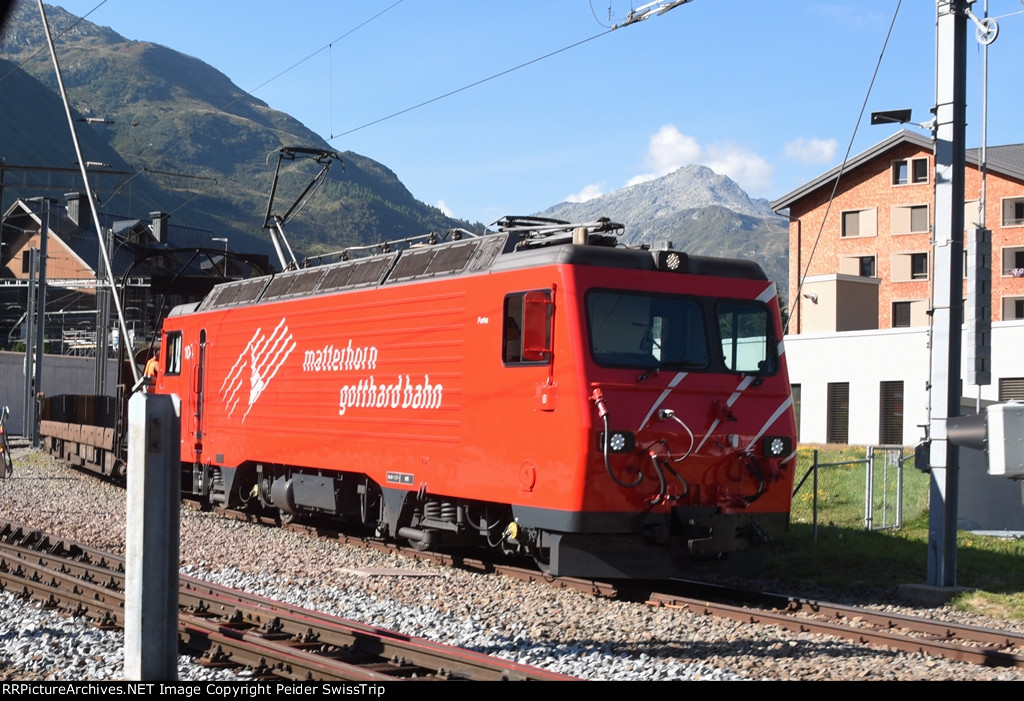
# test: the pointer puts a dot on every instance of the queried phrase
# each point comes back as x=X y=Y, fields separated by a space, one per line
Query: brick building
x=869 y=266
x=860 y=273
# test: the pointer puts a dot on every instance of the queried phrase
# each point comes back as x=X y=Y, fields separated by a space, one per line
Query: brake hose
x=602 y=411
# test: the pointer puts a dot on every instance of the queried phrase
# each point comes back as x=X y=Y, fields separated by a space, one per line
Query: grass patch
x=848 y=556
x=899 y=492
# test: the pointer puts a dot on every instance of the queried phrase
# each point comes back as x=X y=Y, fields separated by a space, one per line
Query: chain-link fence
x=873 y=487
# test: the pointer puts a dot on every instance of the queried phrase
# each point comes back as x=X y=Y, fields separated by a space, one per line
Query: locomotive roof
x=535 y=244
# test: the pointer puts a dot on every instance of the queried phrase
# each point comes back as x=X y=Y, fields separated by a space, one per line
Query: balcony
x=1013 y=211
x=1011 y=261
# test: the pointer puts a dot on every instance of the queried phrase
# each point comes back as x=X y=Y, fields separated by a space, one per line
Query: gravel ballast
x=559 y=630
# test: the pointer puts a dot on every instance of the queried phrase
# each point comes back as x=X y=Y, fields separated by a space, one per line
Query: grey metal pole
x=41 y=324
x=947 y=285
x=85 y=180
x=103 y=295
x=27 y=414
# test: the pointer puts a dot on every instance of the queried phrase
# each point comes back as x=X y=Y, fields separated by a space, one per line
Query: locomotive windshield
x=744 y=331
x=647 y=331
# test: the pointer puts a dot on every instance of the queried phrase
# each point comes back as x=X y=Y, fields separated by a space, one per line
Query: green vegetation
x=842 y=485
x=201 y=148
x=845 y=555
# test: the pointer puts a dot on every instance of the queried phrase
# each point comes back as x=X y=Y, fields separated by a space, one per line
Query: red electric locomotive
x=610 y=411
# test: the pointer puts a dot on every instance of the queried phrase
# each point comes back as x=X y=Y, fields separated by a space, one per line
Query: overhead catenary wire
x=245 y=93
x=634 y=16
x=467 y=87
x=842 y=166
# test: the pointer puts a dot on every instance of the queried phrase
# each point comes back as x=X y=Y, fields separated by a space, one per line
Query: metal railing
x=867 y=492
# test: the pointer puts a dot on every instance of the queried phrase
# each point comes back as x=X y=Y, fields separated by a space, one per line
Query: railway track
x=226 y=627
x=973 y=644
x=864 y=628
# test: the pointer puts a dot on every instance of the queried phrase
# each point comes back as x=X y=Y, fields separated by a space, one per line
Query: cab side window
x=172 y=359
x=526 y=328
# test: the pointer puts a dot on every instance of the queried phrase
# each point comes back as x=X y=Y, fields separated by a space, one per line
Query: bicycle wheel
x=8 y=463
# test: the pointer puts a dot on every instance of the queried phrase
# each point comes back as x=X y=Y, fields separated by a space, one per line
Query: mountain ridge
x=199 y=145
x=199 y=140
x=699 y=211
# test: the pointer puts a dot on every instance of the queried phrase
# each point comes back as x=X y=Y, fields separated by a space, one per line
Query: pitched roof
x=1008 y=160
x=1005 y=160
x=132 y=244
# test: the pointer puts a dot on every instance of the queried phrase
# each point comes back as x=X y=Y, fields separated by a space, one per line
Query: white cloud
x=811 y=151
x=750 y=171
x=590 y=192
x=444 y=208
x=669 y=150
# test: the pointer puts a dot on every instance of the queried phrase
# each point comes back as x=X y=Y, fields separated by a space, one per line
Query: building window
x=919 y=171
x=890 y=414
x=908 y=266
x=899 y=173
x=1013 y=262
x=837 y=419
x=861 y=266
x=901 y=315
x=867 y=266
x=851 y=224
x=918 y=266
x=1013 y=211
x=859 y=223
x=1013 y=308
x=910 y=171
x=910 y=219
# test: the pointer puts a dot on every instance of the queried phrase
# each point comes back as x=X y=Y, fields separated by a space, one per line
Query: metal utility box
x=1006 y=439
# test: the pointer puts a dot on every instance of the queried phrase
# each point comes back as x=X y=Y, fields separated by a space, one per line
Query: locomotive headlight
x=776 y=446
x=618 y=442
x=672 y=261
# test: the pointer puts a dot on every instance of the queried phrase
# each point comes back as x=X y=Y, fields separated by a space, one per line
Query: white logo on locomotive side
x=403 y=394
x=332 y=358
x=367 y=392
x=259 y=361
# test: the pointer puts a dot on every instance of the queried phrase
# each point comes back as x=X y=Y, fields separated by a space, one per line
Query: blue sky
x=767 y=93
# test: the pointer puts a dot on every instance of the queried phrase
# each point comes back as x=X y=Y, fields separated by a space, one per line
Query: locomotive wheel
x=542 y=558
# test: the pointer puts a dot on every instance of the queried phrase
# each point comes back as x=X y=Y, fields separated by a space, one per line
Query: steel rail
x=903 y=639
x=229 y=627
x=249 y=611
